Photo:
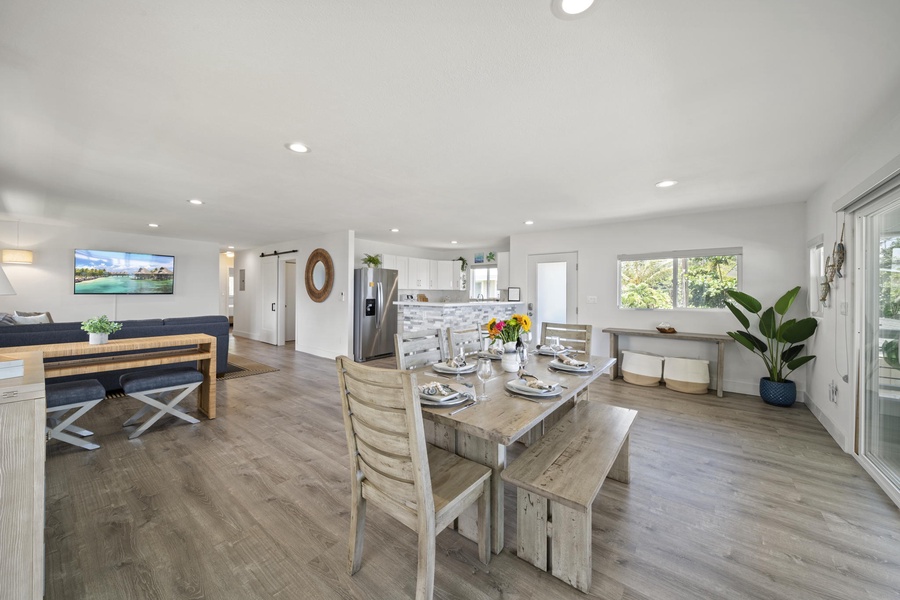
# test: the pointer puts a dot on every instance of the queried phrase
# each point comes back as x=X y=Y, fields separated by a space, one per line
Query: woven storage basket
x=641 y=369
x=688 y=375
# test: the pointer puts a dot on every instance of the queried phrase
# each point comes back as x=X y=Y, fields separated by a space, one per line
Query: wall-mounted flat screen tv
x=105 y=272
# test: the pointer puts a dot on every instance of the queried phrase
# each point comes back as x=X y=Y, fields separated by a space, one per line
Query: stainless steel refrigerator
x=374 y=313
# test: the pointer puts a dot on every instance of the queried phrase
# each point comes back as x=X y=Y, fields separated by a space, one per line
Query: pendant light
x=17 y=256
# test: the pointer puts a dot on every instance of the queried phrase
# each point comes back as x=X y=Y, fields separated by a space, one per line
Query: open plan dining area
x=722 y=503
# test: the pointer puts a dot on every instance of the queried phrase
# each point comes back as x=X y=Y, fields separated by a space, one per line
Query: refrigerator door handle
x=379 y=305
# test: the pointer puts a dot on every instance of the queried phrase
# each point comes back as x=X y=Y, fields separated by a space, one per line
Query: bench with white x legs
x=160 y=383
x=80 y=396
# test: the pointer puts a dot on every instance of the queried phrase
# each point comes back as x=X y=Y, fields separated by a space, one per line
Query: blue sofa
x=58 y=333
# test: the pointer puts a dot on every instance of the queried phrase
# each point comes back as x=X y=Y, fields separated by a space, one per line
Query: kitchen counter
x=449 y=304
x=416 y=316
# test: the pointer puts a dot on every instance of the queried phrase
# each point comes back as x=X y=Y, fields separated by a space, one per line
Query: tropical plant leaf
x=750 y=341
x=767 y=325
x=792 y=353
x=740 y=316
x=798 y=362
x=782 y=328
x=801 y=330
x=784 y=303
x=745 y=300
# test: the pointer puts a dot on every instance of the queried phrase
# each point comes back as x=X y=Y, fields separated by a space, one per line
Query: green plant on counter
x=372 y=260
x=463 y=263
x=781 y=349
x=100 y=324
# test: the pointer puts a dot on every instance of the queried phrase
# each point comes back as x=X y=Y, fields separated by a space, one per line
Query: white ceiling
x=449 y=120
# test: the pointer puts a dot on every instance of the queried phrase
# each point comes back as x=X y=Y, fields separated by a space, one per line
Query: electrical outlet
x=592 y=299
x=832 y=392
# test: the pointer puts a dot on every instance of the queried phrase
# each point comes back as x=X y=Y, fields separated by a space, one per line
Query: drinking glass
x=462 y=360
x=484 y=372
x=522 y=356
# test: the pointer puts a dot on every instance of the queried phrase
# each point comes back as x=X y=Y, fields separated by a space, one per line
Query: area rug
x=238 y=366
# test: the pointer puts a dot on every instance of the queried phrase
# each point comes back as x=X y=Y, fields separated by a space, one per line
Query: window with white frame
x=683 y=279
x=484 y=282
x=816 y=274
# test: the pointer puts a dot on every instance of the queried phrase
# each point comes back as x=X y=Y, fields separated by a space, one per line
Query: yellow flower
x=525 y=321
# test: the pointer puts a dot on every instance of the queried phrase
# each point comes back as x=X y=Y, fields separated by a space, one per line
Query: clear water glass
x=461 y=361
x=484 y=372
x=522 y=356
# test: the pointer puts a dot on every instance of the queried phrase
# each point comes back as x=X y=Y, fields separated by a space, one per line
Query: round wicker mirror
x=319 y=275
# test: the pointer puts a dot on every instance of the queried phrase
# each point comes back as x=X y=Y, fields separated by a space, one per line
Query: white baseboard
x=829 y=426
x=320 y=352
x=751 y=388
x=243 y=334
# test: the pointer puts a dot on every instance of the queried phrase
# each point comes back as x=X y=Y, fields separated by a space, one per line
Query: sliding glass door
x=879 y=415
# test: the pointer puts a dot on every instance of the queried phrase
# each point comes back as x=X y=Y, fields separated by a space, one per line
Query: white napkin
x=571 y=362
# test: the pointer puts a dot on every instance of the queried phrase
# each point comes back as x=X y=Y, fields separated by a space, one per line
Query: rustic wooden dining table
x=483 y=431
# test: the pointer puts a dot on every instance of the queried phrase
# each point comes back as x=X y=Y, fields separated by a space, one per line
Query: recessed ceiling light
x=152 y=225
x=195 y=201
x=231 y=247
x=394 y=230
x=297 y=147
x=454 y=242
x=229 y=254
x=529 y=222
x=666 y=183
x=570 y=9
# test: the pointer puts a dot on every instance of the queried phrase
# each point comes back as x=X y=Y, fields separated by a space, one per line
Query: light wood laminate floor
x=729 y=498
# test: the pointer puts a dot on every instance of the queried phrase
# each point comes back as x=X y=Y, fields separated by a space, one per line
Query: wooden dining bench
x=558 y=479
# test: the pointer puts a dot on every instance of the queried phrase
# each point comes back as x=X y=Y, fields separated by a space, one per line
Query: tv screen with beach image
x=105 y=272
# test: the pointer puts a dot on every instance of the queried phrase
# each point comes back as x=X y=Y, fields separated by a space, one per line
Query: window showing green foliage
x=677 y=282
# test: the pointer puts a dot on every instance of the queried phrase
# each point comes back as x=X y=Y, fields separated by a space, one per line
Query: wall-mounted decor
x=319 y=275
x=105 y=272
x=491 y=257
x=514 y=294
x=479 y=257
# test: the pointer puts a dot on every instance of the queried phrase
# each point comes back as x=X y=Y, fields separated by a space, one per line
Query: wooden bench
x=559 y=478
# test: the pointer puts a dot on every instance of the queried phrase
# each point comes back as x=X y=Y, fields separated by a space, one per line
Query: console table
x=713 y=338
x=79 y=358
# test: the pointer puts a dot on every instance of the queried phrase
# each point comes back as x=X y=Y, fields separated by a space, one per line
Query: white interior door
x=269 y=323
x=290 y=302
x=552 y=289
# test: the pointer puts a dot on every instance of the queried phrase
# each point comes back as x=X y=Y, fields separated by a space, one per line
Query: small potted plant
x=99 y=328
x=373 y=261
x=781 y=349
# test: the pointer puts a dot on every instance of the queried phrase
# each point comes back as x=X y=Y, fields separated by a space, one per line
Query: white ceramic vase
x=98 y=338
x=509 y=362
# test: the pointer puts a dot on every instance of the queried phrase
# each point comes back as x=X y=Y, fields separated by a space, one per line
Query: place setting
x=456 y=365
x=568 y=364
x=532 y=388
x=435 y=394
x=554 y=348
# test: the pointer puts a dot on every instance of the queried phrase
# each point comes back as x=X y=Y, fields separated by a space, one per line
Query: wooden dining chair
x=569 y=334
x=467 y=338
x=415 y=349
x=391 y=466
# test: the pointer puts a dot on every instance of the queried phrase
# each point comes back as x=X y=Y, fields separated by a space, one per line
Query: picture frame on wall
x=514 y=294
x=479 y=257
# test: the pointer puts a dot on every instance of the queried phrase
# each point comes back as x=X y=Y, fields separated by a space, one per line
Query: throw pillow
x=7 y=319
x=22 y=313
x=41 y=318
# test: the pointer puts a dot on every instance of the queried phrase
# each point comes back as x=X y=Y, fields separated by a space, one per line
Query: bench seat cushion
x=163 y=378
x=72 y=392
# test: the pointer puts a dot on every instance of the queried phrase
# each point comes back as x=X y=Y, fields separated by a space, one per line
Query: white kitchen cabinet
x=403 y=273
x=502 y=270
x=445 y=275
x=433 y=275
x=420 y=273
x=389 y=261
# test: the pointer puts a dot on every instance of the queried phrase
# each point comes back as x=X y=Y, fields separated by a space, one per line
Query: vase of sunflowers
x=507 y=333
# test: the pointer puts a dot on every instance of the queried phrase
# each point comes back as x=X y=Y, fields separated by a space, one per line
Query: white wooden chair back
x=467 y=338
x=419 y=348
x=576 y=336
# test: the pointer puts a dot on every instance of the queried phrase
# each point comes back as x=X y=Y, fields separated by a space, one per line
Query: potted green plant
x=99 y=328
x=372 y=261
x=780 y=346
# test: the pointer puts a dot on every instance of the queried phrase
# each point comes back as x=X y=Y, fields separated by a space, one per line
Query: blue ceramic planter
x=783 y=393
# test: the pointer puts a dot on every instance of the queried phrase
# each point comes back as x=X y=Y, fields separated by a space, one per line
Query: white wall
x=773 y=240
x=323 y=328
x=48 y=284
x=225 y=262
x=833 y=344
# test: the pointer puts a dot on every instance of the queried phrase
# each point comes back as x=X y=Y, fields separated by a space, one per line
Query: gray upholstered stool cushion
x=154 y=380
x=70 y=392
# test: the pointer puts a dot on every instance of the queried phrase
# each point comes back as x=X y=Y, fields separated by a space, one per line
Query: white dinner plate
x=520 y=387
x=548 y=351
x=444 y=368
x=490 y=355
x=453 y=401
x=564 y=367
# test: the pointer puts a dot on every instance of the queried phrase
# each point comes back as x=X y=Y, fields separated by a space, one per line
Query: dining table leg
x=492 y=455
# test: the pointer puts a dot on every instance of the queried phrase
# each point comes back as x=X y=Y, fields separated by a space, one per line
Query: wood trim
x=316 y=256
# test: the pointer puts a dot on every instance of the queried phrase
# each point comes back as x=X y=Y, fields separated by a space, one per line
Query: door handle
x=379 y=305
x=273 y=307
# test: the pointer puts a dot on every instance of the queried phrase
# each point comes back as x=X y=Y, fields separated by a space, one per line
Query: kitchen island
x=416 y=316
